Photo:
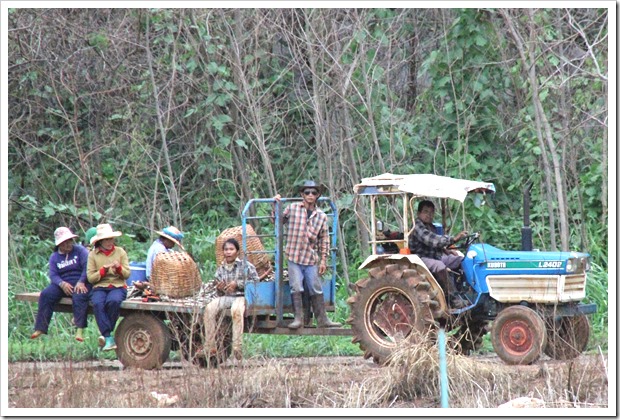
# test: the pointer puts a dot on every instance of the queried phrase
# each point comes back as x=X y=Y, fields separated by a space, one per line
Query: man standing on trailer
x=307 y=248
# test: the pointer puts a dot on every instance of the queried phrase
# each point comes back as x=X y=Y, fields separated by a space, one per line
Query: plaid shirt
x=425 y=242
x=307 y=239
x=237 y=274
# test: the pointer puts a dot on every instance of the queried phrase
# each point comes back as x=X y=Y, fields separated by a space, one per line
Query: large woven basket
x=175 y=275
x=262 y=262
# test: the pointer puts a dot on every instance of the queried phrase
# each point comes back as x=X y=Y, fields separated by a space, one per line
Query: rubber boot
x=299 y=311
x=453 y=300
x=318 y=307
x=305 y=299
x=109 y=344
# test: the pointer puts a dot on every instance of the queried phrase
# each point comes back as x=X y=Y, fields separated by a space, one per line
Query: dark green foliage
x=147 y=117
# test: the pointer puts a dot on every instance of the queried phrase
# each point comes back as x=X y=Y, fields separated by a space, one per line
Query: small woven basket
x=175 y=275
x=262 y=262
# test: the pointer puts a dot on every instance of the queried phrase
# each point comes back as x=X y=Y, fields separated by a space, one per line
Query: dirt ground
x=347 y=382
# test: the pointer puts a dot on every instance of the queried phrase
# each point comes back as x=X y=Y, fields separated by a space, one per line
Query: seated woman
x=230 y=279
x=168 y=238
x=107 y=270
x=67 y=274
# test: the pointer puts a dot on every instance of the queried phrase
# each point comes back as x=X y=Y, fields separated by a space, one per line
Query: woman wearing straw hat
x=67 y=274
x=168 y=238
x=108 y=268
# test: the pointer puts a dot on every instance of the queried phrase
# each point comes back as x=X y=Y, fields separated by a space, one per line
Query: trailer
x=148 y=331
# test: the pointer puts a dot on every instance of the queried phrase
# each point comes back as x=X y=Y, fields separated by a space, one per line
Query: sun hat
x=311 y=184
x=90 y=233
x=172 y=233
x=104 y=231
x=62 y=234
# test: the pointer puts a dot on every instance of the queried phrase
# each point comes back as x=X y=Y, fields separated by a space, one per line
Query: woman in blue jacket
x=67 y=274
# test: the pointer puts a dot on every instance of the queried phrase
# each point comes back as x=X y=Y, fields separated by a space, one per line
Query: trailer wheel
x=392 y=306
x=568 y=337
x=518 y=335
x=143 y=341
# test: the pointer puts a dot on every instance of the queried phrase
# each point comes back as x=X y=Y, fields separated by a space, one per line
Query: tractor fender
x=414 y=261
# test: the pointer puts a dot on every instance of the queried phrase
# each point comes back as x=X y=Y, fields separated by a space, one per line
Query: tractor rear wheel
x=568 y=337
x=518 y=335
x=394 y=305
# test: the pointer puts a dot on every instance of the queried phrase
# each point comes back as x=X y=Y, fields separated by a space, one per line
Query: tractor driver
x=431 y=248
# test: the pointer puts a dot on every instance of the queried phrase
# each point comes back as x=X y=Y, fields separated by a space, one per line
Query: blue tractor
x=529 y=301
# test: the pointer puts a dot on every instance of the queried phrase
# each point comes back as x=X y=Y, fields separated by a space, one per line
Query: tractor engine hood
x=551 y=262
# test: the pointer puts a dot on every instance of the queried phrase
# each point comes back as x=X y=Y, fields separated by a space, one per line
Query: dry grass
x=411 y=380
x=473 y=382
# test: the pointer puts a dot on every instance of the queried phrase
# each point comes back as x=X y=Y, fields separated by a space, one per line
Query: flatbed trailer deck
x=148 y=331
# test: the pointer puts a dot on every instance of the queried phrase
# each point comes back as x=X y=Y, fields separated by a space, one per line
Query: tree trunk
x=173 y=195
x=543 y=128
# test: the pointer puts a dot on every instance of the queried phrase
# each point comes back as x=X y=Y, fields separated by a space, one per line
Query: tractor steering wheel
x=468 y=240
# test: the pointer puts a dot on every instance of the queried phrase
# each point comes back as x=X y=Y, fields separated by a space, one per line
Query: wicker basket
x=262 y=262
x=175 y=275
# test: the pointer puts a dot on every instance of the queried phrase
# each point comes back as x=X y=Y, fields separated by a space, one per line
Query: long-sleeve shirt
x=425 y=242
x=99 y=277
x=69 y=267
x=307 y=240
x=237 y=273
x=157 y=247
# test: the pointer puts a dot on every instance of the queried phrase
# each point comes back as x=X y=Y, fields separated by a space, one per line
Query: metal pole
x=443 y=369
x=279 y=286
x=526 y=230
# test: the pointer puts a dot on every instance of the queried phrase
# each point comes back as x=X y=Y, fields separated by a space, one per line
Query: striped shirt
x=425 y=242
x=237 y=274
x=307 y=240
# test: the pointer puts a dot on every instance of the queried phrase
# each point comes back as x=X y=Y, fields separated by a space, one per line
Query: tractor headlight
x=571 y=265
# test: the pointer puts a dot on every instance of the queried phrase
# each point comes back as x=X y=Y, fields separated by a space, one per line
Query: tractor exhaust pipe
x=526 y=230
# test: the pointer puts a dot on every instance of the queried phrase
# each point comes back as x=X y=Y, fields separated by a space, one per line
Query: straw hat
x=62 y=234
x=104 y=231
x=172 y=233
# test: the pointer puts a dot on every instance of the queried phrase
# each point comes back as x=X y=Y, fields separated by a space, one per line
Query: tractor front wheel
x=518 y=335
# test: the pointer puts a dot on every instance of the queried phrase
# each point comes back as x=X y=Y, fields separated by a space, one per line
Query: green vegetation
x=179 y=116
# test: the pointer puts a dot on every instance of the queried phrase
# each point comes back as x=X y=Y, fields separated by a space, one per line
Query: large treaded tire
x=568 y=337
x=143 y=341
x=394 y=305
x=518 y=335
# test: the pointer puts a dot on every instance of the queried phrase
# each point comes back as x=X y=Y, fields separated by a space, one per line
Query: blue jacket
x=69 y=267
x=157 y=247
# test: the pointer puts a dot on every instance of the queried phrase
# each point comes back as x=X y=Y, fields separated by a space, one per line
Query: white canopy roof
x=426 y=185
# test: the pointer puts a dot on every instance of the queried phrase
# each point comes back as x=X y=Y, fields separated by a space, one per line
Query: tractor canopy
x=422 y=185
